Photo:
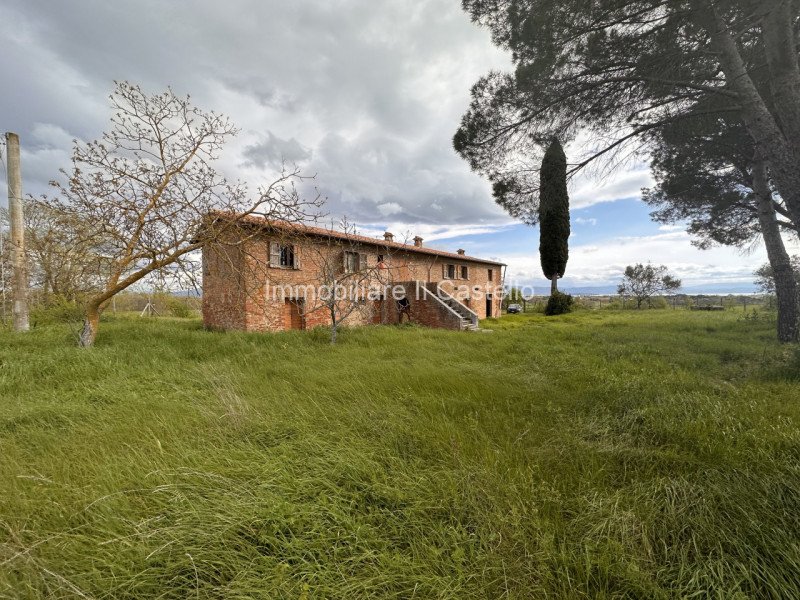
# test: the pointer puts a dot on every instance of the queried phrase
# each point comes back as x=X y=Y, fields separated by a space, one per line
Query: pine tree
x=553 y=214
x=617 y=71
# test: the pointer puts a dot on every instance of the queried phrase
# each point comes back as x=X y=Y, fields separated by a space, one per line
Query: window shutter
x=444 y=271
x=296 y=257
x=344 y=261
x=274 y=254
x=362 y=262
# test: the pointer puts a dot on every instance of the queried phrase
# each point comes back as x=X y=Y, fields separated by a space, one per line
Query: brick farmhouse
x=267 y=276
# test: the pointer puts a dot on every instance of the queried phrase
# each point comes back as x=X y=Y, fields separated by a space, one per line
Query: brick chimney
x=389 y=237
x=418 y=241
x=461 y=251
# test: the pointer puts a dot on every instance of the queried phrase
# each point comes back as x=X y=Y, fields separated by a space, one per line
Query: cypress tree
x=553 y=214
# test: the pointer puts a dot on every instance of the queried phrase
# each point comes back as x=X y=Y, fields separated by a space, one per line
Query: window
x=287 y=256
x=350 y=262
x=464 y=272
x=449 y=271
x=354 y=262
x=282 y=256
x=380 y=258
x=491 y=274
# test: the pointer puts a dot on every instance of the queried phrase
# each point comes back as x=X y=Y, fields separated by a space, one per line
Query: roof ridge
x=314 y=230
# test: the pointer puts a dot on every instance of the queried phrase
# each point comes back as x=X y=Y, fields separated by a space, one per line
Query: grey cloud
x=367 y=95
x=384 y=179
x=274 y=151
x=265 y=93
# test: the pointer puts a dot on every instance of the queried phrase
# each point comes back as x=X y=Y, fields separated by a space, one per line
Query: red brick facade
x=268 y=281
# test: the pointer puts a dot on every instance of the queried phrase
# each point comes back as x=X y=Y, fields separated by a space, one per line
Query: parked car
x=514 y=309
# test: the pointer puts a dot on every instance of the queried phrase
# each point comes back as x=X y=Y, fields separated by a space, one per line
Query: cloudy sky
x=365 y=94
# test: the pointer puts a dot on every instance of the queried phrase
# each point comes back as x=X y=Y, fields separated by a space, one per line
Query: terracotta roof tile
x=303 y=229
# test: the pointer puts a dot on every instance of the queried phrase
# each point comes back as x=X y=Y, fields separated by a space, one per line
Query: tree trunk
x=761 y=125
x=19 y=264
x=91 y=322
x=554 y=284
x=785 y=283
x=781 y=53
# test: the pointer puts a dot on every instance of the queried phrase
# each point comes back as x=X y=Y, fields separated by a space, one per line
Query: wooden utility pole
x=20 y=291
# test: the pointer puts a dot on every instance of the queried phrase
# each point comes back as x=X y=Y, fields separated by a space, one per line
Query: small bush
x=178 y=308
x=658 y=302
x=558 y=304
x=57 y=311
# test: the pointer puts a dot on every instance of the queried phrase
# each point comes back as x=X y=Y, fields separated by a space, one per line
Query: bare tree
x=642 y=282
x=62 y=260
x=145 y=189
x=348 y=282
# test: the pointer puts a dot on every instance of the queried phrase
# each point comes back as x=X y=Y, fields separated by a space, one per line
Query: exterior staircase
x=434 y=307
x=469 y=319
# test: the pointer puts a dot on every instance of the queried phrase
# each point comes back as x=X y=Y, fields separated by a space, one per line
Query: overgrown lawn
x=599 y=455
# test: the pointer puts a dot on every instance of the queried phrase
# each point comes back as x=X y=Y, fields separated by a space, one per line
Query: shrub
x=658 y=302
x=178 y=308
x=558 y=304
x=58 y=310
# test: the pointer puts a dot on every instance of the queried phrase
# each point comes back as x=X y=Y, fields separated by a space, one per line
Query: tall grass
x=596 y=455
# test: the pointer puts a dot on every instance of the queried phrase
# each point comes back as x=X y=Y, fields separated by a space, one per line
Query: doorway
x=377 y=311
x=488 y=306
x=293 y=314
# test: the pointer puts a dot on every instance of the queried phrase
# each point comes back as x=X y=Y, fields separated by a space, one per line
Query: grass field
x=599 y=455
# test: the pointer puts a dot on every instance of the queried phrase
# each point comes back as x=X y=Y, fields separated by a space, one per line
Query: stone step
x=462 y=311
x=468 y=325
x=459 y=308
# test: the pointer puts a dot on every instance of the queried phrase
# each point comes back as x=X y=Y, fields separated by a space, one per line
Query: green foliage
x=696 y=163
x=643 y=282
x=56 y=310
x=554 y=212
x=591 y=69
x=178 y=308
x=658 y=302
x=765 y=277
x=558 y=304
x=598 y=455
x=513 y=295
